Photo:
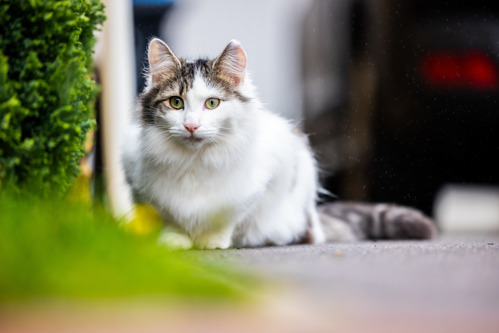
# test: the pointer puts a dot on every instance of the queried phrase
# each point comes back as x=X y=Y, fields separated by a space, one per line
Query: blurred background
x=400 y=98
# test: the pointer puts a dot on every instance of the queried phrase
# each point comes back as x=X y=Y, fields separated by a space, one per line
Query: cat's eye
x=176 y=102
x=212 y=103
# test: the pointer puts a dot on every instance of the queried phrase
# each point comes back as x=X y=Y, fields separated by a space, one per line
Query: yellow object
x=145 y=221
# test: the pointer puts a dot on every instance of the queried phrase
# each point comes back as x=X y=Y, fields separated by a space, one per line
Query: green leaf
x=46 y=92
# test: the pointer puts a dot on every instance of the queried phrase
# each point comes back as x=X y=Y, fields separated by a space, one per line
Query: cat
x=222 y=171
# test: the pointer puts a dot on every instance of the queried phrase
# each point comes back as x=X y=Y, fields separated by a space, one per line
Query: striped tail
x=350 y=221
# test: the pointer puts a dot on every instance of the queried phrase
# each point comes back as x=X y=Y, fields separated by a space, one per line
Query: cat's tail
x=349 y=221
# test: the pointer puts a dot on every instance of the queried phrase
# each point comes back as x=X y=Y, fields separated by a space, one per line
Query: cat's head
x=195 y=102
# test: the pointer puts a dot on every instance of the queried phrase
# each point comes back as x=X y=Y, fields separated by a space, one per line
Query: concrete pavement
x=446 y=285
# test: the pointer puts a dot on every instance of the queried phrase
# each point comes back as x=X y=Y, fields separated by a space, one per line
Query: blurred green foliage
x=45 y=91
x=60 y=249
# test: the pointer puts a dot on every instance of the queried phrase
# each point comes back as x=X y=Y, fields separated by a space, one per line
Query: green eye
x=212 y=103
x=176 y=102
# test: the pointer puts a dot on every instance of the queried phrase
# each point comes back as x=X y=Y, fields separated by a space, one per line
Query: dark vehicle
x=431 y=114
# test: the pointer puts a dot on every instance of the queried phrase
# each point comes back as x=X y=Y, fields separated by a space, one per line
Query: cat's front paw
x=212 y=242
x=175 y=240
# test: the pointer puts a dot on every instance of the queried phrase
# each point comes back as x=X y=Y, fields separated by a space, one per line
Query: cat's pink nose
x=191 y=127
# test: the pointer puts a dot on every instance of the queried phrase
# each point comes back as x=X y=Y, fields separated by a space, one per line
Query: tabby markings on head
x=178 y=76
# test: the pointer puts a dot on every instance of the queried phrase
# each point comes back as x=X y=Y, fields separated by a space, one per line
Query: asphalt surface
x=446 y=285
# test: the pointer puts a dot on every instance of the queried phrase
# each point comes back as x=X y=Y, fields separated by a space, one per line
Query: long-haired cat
x=223 y=171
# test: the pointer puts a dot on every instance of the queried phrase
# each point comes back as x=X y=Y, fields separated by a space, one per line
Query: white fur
x=249 y=181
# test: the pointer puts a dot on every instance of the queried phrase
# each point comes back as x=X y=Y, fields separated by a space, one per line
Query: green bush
x=45 y=91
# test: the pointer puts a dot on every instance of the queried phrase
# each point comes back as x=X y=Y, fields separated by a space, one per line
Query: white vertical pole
x=117 y=74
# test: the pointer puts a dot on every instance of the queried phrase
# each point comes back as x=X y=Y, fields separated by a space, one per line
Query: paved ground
x=447 y=285
x=451 y=284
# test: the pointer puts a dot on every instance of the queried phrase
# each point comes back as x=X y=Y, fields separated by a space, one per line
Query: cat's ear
x=231 y=64
x=162 y=62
